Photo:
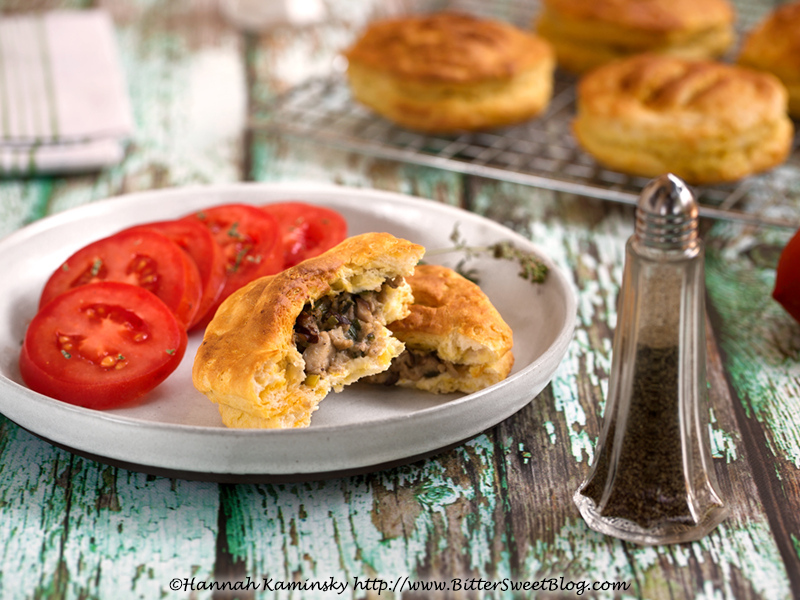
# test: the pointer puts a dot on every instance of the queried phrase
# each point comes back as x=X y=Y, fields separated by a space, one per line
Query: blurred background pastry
x=588 y=33
x=446 y=72
x=774 y=46
x=701 y=120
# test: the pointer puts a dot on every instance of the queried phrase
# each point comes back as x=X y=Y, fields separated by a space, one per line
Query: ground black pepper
x=649 y=487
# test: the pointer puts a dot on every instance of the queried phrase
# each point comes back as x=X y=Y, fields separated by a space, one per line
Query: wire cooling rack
x=540 y=153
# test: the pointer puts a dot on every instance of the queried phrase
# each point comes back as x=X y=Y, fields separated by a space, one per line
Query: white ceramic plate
x=178 y=431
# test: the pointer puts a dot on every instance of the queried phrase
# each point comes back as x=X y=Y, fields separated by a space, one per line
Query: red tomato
x=787 y=278
x=307 y=230
x=198 y=242
x=144 y=258
x=249 y=241
x=101 y=345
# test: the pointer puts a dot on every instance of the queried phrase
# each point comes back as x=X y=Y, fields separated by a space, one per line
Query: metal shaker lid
x=667 y=215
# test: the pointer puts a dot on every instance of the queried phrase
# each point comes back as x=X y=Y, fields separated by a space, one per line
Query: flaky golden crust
x=588 y=33
x=248 y=362
x=447 y=48
x=774 y=46
x=449 y=71
x=701 y=120
x=654 y=16
x=452 y=318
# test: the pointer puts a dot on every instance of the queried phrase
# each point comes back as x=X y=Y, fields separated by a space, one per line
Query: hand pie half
x=456 y=340
x=277 y=346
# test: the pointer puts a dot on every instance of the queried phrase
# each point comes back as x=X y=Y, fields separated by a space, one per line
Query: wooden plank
x=760 y=346
x=23 y=202
x=74 y=528
x=498 y=506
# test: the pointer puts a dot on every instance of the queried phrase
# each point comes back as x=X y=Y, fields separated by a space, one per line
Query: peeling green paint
x=723 y=444
x=551 y=431
x=759 y=370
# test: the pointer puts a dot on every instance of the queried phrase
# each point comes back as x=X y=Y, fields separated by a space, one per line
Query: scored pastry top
x=649 y=15
x=699 y=92
x=448 y=47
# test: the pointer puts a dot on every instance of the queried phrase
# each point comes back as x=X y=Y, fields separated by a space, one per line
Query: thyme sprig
x=531 y=268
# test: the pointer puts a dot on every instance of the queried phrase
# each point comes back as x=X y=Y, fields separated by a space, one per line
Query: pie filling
x=339 y=328
x=413 y=366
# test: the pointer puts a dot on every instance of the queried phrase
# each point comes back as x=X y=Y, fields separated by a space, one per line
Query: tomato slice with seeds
x=197 y=241
x=101 y=345
x=787 y=278
x=307 y=230
x=147 y=259
x=250 y=243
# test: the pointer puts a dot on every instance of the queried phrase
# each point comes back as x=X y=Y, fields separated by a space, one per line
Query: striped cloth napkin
x=64 y=107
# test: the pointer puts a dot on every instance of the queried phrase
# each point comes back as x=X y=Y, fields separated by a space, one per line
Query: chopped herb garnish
x=65 y=267
x=531 y=268
x=66 y=354
x=170 y=351
x=238 y=262
x=234 y=231
x=346 y=306
x=96 y=266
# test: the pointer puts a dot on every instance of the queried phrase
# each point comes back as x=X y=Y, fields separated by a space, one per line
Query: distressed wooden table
x=496 y=509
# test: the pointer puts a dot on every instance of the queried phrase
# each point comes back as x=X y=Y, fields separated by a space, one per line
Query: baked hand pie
x=456 y=340
x=774 y=46
x=704 y=121
x=446 y=72
x=278 y=346
x=588 y=33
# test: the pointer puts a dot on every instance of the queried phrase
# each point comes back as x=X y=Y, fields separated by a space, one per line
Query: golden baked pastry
x=589 y=33
x=455 y=339
x=774 y=46
x=703 y=121
x=277 y=346
x=445 y=72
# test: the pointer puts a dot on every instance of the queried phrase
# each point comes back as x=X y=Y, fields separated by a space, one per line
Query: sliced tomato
x=787 y=278
x=250 y=243
x=101 y=345
x=197 y=241
x=147 y=259
x=307 y=230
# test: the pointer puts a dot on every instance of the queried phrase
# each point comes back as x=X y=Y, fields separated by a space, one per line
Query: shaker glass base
x=667 y=533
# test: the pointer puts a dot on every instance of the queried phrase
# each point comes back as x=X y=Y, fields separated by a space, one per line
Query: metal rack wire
x=540 y=153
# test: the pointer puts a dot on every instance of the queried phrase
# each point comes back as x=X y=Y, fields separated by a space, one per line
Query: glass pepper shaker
x=652 y=480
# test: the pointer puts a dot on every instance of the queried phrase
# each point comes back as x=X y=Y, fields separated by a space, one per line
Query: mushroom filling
x=412 y=365
x=338 y=328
